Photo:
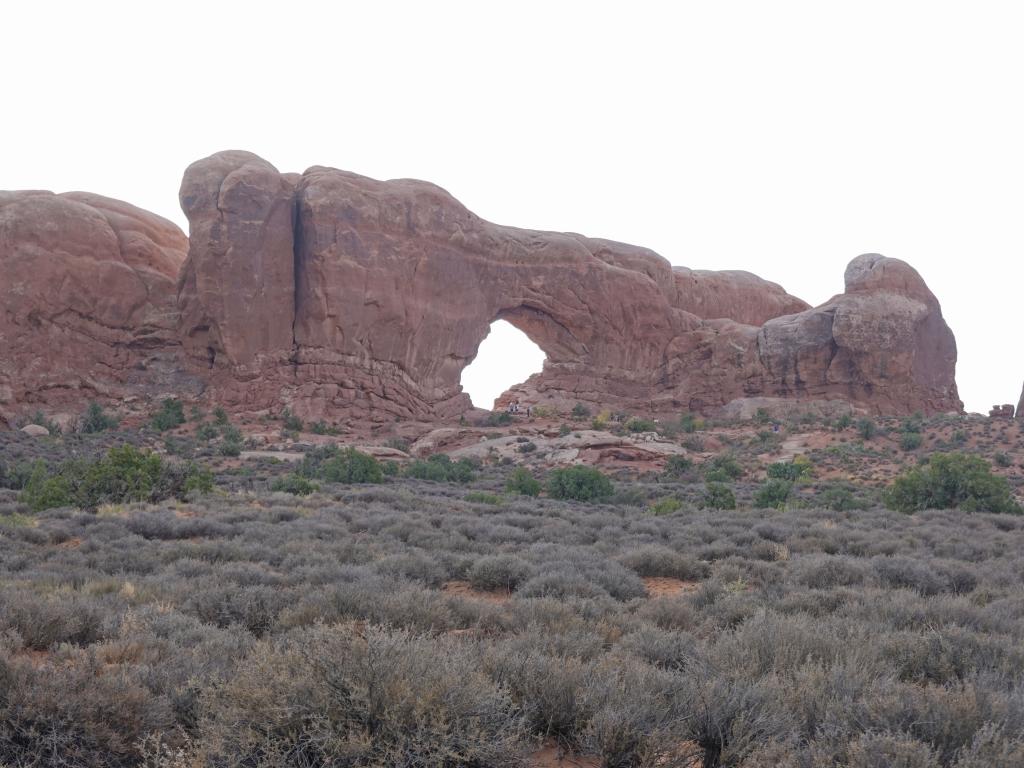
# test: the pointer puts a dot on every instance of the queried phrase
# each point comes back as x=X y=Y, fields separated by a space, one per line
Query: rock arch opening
x=506 y=357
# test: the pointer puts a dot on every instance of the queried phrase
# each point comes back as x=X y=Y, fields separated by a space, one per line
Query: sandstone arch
x=351 y=298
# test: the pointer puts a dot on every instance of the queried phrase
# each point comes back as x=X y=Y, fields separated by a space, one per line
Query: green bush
x=689 y=423
x=773 y=494
x=95 y=420
x=124 y=474
x=722 y=469
x=1002 y=460
x=483 y=497
x=498 y=418
x=523 y=482
x=866 y=428
x=951 y=481
x=677 y=466
x=220 y=416
x=294 y=484
x=843 y=422
x=291 y=422
x=718 y=496
x=441 y=469
x=206 y=432
x=170 y=415
x=232 y=445
x=341 y=465
x=641 y=425
x=528 y=447
x=911 y=441
x=789 y=470
x=665 y=506
x=839 y=498
x=579 y=483
x=580 y=411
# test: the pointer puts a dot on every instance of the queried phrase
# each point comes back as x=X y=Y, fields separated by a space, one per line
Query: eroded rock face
x=88 y=297
x=237 y=296
x=348 y=298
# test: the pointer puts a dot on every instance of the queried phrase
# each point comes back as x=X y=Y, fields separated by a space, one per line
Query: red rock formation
x=88 y=299
x=349 y=298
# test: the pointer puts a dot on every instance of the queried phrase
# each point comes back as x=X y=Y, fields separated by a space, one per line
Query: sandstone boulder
x=88 y=299
x=35 y=430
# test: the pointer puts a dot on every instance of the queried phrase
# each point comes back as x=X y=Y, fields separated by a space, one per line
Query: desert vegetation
x=346 y=611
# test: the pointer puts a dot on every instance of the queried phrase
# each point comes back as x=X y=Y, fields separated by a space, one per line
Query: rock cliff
x=344 y=297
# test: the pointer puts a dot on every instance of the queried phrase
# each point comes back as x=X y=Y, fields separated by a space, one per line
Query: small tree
x=773 y=494
x=579 y=483
x=170 y=415
x=718 y=496
x=951 y=481
x=866 y=428
x=95 y=420
x=522 y=482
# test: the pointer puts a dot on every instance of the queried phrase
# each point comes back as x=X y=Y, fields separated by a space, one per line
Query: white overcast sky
x=780 y=137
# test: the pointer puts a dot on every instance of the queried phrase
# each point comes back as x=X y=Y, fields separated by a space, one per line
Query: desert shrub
x=829 y=572
x=911 y=441
x=580 y=411
x=580 y=483
x=657 y=560
x=483 y=497
x=292 y=423
x=335 y=696
x=866 y=428
x=232 y=442
x=951 y=481
x=843 y=422
x=498 y=418
x=1001 y=459
x=883 y=750
x=521 y=481
x=689 y=423
x=528 y=447
x=839 y=498
x=170 y=415
x=340 y=465
x=123 y=474
x=677 y=466
x=637 y=424
x=297 y=485
x=666 y=505
x=42 y=420
x=14 y=476
x=722 y=469
x=321 y=427
x=789 y=470
x=773 y=494
x=505 y=572
x=207 y=432
x=718 y=496
x=96 y=420
x=220 y=416
x=440 y=468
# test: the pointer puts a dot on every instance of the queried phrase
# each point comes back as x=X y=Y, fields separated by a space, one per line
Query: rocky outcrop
x=344 y=297
x=88 y=299
x=1020 y=405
